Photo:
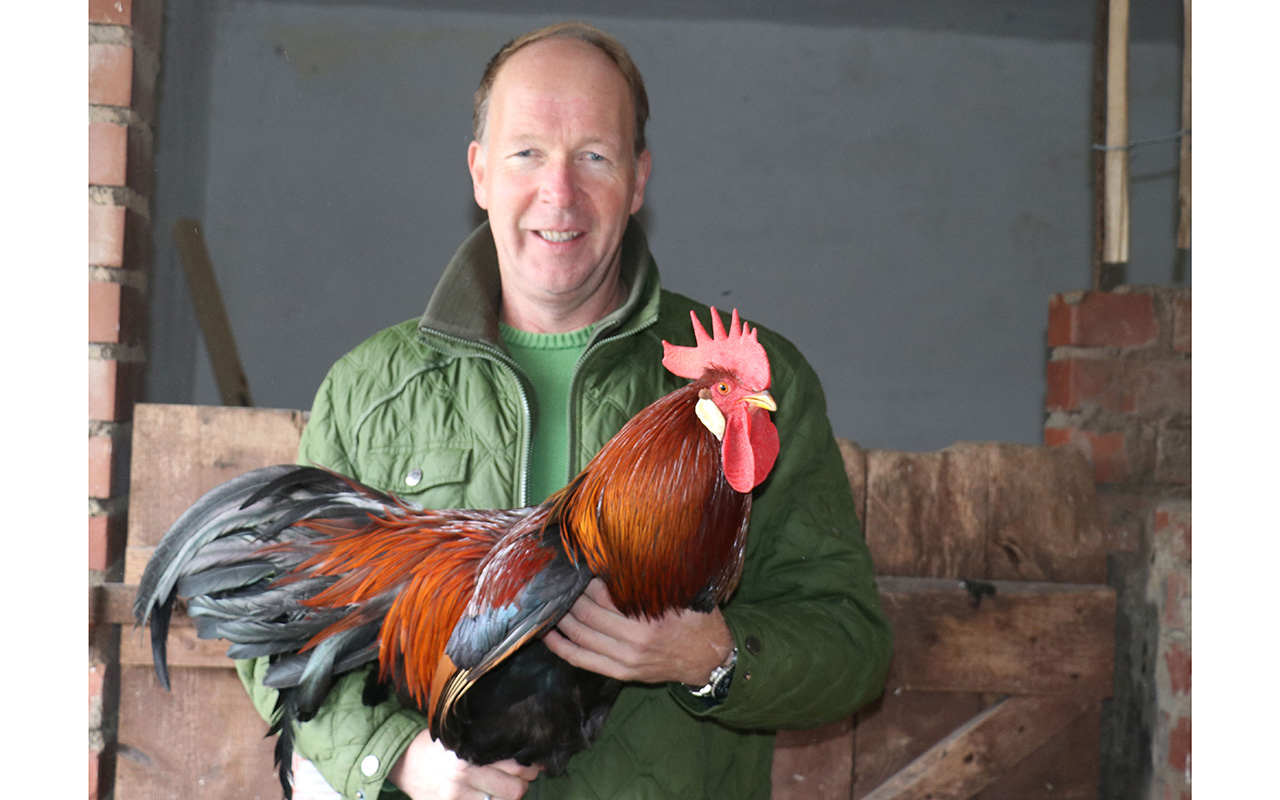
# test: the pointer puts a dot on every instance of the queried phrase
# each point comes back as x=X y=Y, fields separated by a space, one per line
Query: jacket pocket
x=412 y=473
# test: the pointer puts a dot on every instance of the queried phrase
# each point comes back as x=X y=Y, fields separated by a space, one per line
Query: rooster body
x=325 y=575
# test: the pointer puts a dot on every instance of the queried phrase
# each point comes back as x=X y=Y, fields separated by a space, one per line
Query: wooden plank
x=1042 y=516
x=1184 y=148
x=1066 y=767
x=963 y=763
x=202 y=740
x=926 y=512
x=900 y=726
x=180 y=452
x=1021 y=638
x=1116 y=158
x=233 y=386
x=815 y=764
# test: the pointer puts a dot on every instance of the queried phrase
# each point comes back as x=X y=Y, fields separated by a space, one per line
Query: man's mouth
x=559 y=236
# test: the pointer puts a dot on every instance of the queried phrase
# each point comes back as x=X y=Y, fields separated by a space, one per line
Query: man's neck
x=552 y=318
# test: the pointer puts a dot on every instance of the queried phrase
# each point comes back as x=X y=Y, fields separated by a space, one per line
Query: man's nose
x=559 y=185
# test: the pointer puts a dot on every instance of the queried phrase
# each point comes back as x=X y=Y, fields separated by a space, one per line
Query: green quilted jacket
x=435 y=411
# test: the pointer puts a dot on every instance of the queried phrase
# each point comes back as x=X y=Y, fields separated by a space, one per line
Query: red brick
x=108 y=148
x=98 y=535
x=1106 y=452
x=116 y=313
x=1176 y=614
x=111 y=12
x=106 y=235
x=1102 y=319
x=104 y=311
x=1182 y=325
x=1153 y=387
x=94 y=768
x=1160 y=387
x=100 y=466
x=1180 y=745
x=1177 y=659
x=106 y=541
x=1173 y=456
x=110 y=75
x=1172 y=533
x=112 y=390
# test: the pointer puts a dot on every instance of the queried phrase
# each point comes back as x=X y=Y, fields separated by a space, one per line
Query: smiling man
x=541 y=340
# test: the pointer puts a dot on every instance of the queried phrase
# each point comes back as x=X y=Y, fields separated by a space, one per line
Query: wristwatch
x=717 y=687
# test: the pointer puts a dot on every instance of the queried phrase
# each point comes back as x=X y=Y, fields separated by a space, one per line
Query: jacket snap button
x=369 y=766
x=413 y=478
x=754 y=646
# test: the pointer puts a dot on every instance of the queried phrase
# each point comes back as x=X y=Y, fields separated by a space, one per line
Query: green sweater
x=436 y=411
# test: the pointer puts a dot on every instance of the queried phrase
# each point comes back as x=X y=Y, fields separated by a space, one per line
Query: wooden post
x=1184 y=153
x=1116 y=160
x=232 y=383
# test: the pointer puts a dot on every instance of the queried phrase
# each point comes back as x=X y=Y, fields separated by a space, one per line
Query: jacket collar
x=467 y=299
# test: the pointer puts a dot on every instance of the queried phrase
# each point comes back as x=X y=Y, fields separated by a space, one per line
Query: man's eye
x=524 y=154
x=594 y=157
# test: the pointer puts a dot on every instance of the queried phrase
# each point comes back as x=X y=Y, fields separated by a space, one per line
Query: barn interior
x=931 y=200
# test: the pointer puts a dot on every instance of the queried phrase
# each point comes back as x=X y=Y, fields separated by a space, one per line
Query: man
x=540 y=341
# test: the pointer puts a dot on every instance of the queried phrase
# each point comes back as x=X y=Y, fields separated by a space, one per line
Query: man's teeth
x=559 y=236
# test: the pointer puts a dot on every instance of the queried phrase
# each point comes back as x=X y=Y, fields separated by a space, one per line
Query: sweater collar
x=466 y=301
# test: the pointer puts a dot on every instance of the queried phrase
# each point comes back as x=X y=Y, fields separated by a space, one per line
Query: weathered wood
x=180 y=452
x=900 y=726
x=233 y=386
x=1184 y=148
x=202 y=740
x=960 y=765
x=1042 y=516
x=926 y=512
x=1066 y=767
x=814 y=764
x=1021 y=638
x=1116 y=159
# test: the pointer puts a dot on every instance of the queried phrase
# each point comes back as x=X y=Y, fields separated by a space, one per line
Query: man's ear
x=476 y=164
x=644 y=163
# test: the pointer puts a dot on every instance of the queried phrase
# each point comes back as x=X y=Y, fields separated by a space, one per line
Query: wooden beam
x=966 y=761
x=214 y=323
x=1184 y=151
x=1116 y=159
x=1004 y=637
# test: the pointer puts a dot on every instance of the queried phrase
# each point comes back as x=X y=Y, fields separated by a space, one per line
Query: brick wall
x=1118 y=387
x=124 y=49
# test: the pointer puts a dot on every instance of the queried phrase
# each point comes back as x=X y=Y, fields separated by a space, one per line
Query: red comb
x=735 y=350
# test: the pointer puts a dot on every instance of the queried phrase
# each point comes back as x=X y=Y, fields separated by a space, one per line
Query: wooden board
x=1022 y=638
x=815 y=764
x=989 y=744
x=926 y=512
x=180 y=452
x=202 y=740
x=1042 y=516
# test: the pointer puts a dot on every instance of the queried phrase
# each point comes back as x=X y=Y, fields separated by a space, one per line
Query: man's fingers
x=499 y=782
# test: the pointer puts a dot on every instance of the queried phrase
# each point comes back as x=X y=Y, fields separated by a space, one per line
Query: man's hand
x=680 y=646
x=429 y=771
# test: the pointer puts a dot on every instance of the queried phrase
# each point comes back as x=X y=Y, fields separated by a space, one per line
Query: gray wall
x=900 y=202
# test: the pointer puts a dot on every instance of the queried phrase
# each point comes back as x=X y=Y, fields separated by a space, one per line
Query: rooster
x=325 y=575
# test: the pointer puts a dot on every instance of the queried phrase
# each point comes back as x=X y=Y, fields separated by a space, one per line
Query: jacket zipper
x=574 y=467
x=497 y=356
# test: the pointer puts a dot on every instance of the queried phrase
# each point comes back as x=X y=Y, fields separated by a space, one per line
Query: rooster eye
x=722 y=387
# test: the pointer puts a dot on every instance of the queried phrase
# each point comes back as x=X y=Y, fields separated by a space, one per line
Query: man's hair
x=583 y=32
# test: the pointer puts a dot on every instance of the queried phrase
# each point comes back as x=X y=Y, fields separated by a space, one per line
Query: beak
x=762 y=400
